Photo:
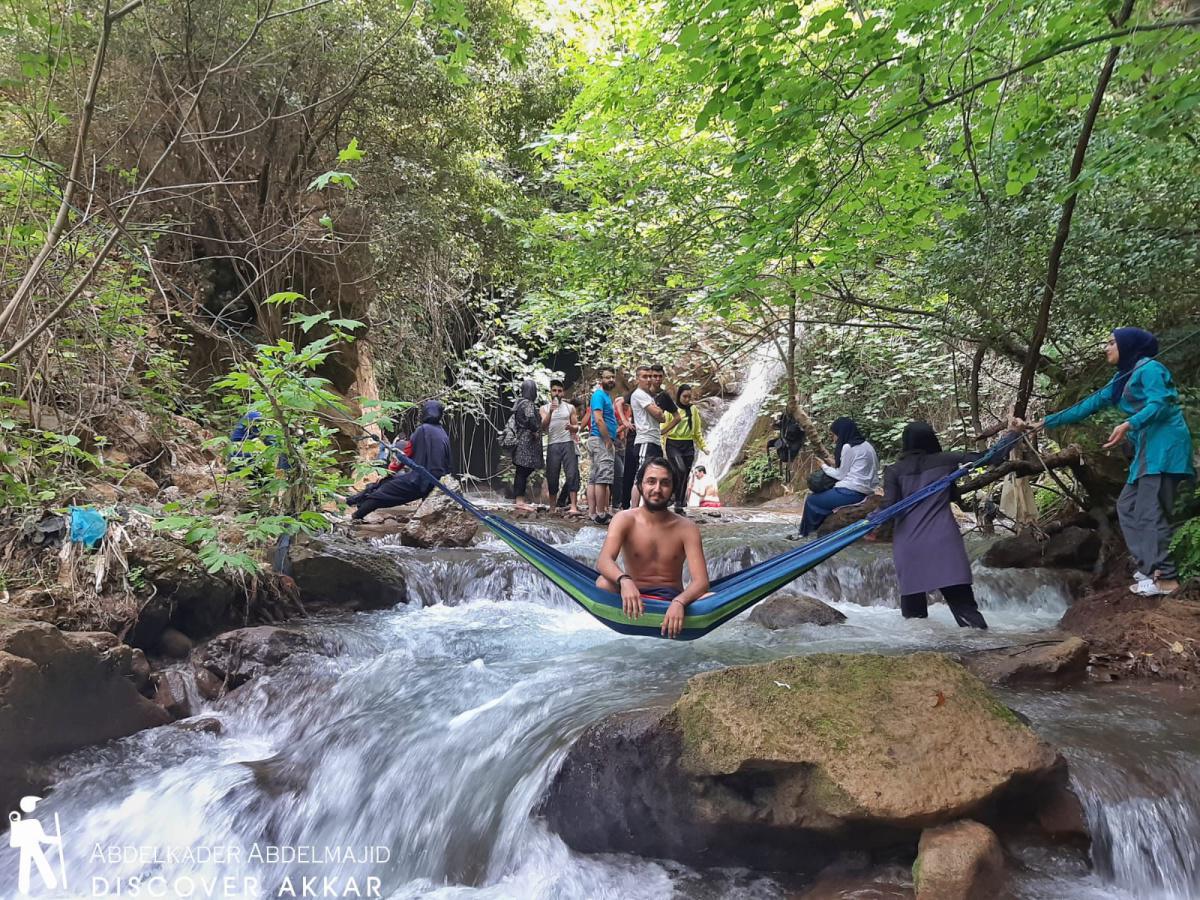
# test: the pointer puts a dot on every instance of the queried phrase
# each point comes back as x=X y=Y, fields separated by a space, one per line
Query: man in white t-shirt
x=647 y=416
x=561 y=423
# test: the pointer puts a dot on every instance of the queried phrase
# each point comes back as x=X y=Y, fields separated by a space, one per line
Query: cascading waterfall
x=729 y=435
x=417 y=753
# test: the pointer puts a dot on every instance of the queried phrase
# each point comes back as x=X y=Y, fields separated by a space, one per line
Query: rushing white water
x=728 y=436
x=426 y=742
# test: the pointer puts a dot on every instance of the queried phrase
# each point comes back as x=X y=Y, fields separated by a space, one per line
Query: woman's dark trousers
x=521 y=481
x=681 y=455
x=959 y=597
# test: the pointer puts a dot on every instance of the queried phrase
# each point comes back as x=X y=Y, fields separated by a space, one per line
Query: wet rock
x=959 y=861
x=346 y=573
x=848 y=515
x=1072 y=547
x=187 y=596
x=139 y=670
x=175 y=643
x=1059 y=662
x=782 y=611
x=209 y=685
x=236 y=657
x=205 y=725
x=170 y=692
x=787 y=765
x=440 y=522
x=57 y=695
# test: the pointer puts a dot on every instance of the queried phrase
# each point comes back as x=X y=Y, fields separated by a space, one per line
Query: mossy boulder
x=786 y=765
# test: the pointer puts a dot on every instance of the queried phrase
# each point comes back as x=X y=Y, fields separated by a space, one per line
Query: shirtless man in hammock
x=656 y=542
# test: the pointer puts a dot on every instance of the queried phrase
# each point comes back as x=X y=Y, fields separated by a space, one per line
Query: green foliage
x=1185 y=545
x=873 y=182
x=759 y=471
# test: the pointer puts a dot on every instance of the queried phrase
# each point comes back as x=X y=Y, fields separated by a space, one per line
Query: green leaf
x=344 y=179
x=351 y=153
x=282 y=297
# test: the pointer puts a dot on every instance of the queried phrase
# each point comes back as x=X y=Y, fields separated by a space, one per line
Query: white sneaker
x=1141 y=576
x=1146 y=587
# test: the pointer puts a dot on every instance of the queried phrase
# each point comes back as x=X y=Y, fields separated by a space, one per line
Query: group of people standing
x=620 y=433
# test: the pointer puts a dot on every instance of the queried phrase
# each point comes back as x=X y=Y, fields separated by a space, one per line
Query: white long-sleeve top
x=859 y=470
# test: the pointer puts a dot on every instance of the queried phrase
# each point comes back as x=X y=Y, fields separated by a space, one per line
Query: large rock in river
x=784 y=611
x=1071 y=548
x=784 y=765
x=60 y=692
x=440 y=522
x=236 y=657
x=345 y=572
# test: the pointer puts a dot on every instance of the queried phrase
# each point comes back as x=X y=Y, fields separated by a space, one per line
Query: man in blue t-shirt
x=601 y=449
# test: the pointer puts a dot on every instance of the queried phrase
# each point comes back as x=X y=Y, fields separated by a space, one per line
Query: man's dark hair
x=554 y=382
x=604 y=369
x=654 y=461
x=640 y=369
x=657 y=368
x=701 y=469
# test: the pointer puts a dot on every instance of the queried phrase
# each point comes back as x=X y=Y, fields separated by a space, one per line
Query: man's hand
x=1118 y=435
x=631 y=599
x=609 y=445
x=673 y=619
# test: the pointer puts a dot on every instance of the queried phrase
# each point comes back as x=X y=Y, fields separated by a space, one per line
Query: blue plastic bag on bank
x=87 y=526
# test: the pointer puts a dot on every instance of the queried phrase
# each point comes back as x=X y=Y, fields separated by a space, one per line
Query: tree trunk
x=1042 y=326
x=973 y=387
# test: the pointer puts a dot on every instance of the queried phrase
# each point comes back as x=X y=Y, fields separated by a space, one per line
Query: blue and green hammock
x=731 y=594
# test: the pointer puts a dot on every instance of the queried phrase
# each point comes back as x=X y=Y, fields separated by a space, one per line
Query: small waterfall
x=729 y=434
x=1145 y=834
x=1134 y=766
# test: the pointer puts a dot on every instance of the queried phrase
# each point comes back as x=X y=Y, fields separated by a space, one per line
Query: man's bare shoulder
x=689 y=527
x=624 y=519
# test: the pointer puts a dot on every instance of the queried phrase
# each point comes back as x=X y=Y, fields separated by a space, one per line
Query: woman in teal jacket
x=1162 y=452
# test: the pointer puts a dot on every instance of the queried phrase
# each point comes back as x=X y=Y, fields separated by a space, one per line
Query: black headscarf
x=1134 y=344
x=686 y=407
x=529 y=390
x=431 y=412
x=919 y=437
x=847 y=434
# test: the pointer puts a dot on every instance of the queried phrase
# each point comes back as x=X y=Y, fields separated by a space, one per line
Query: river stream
x=415 y=754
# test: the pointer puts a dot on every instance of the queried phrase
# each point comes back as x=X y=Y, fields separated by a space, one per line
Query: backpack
x=508 y=437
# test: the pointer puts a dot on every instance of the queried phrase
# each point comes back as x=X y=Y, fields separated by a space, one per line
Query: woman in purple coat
x=928 y=547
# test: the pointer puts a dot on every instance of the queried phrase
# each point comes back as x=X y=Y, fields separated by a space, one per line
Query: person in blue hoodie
x=1154 y=425
x=430 y=450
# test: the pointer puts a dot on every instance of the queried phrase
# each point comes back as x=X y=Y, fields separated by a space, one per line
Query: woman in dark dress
x=928 y=547
x=527 y=454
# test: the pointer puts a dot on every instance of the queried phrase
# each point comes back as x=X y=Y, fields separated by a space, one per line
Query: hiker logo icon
x=29 y=837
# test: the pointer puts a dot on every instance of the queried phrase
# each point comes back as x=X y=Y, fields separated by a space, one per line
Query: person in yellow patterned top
x=683 y=437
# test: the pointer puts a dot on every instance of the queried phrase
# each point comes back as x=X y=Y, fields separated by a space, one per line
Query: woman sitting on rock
x=928 y=547
x=855 y=470
x=1143 y=390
